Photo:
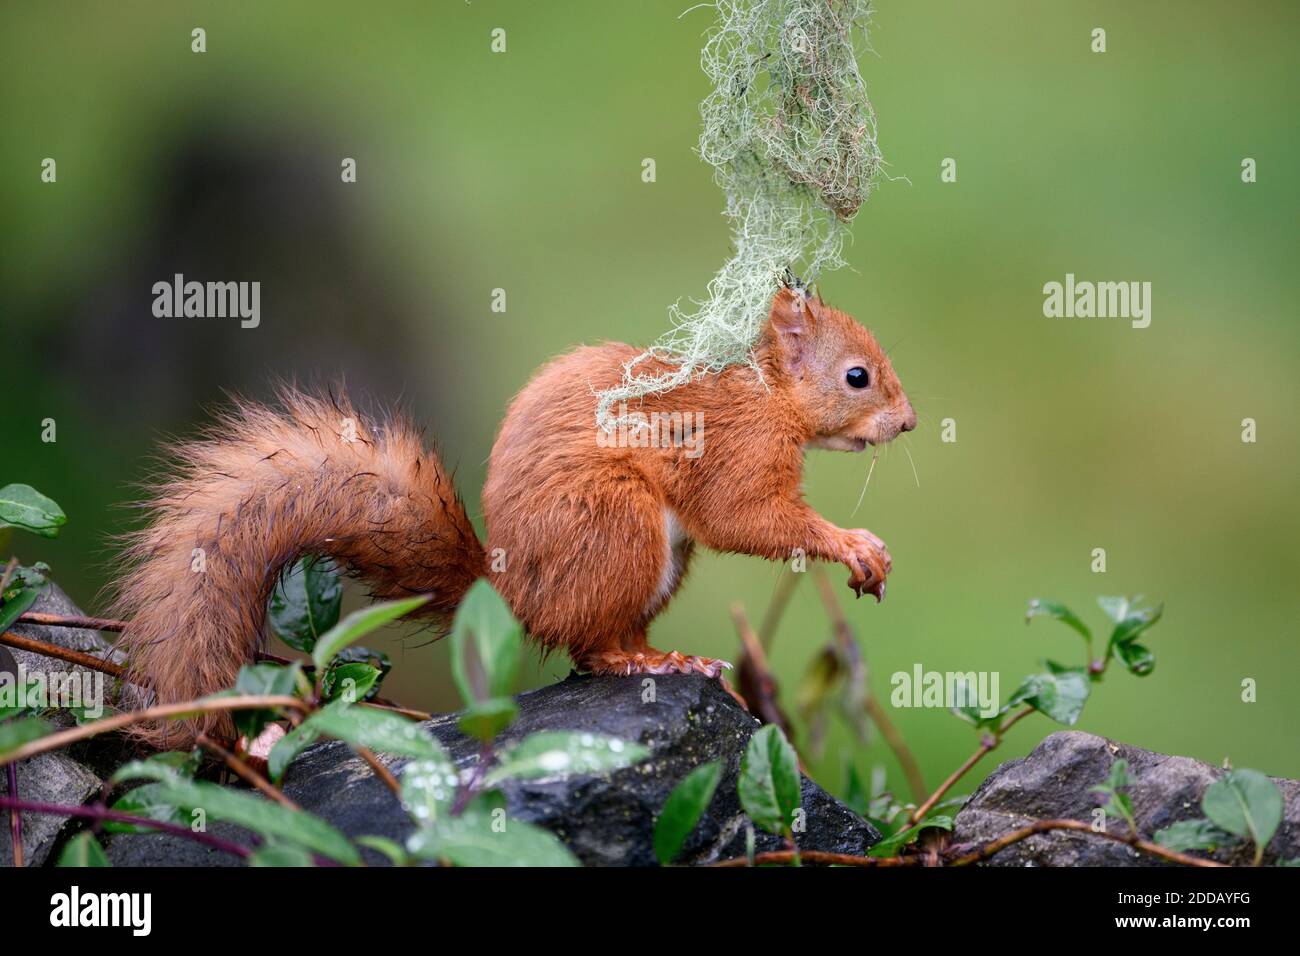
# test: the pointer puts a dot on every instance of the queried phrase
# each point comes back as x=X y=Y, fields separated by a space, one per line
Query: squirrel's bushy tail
x=263 y=487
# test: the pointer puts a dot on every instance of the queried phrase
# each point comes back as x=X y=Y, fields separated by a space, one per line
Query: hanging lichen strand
x=791 y=136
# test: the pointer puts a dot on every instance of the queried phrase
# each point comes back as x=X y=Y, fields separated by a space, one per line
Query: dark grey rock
x=607 y=819
x=64 y=778
x=1055 y=780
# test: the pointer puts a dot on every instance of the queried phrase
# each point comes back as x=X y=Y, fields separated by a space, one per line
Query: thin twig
x=100 y=812
x=1044 y=826
x=377 y=765
x=893 y=737
x=754 y=664
x=66 y=620
x=989 y=743
x=118 y=721
x=66 y=654
x=15 y=816
x=780 y=599
x=10 y=568
x=246 y=773
x=821 y=857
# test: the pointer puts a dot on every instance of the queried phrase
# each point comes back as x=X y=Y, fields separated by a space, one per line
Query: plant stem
x=381 y=771
x=65 y=654
x=785 y=586
x=1044 y=826
x=820 y=857
x=64 y=620
x=118 y=721
x=15 y=816
x=987 y=745
x=893 y=737
x=101 y=812
x=246 y=773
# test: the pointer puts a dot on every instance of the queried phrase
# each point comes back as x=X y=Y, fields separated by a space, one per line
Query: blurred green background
x=522 y=171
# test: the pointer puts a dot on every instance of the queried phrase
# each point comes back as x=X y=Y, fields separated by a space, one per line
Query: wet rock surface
x=1055 y=780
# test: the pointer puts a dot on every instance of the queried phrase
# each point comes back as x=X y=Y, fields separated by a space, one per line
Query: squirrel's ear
x=790 y=325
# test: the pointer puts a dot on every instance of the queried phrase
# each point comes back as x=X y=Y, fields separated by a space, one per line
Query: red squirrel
x=592 y=537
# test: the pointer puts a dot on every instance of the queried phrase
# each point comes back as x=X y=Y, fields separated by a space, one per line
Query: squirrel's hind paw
x=650 y=661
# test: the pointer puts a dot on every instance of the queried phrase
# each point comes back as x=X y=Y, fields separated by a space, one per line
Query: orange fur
x=595 y=539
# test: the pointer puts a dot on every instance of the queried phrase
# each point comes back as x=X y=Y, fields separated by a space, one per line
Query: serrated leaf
x=263 y=817
x=84 y=850
x=1193 y=835
x=1042 y=607
x=485 y=839
x=350 y=682
x=306 y=602
x=144 y=801
x=1060 y=693
x=683 y=809
x=485 y=644
x=22 y=506
x=770 y=787
x=1245 y=803
x=560 y=753
x=429 y=788
x=380 y=730
x=357 y=625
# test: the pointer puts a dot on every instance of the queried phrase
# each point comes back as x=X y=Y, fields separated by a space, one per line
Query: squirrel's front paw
x=869 y=561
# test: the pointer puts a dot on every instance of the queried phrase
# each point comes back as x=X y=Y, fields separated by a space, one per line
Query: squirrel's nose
x=909 y=420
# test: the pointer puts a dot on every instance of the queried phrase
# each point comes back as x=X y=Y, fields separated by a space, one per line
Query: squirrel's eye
x=857 y=377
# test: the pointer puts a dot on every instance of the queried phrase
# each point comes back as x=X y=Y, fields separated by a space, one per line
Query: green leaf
x=559 y=753
x=288 y=747
x=380 y=730
x=258 y=680
x=261 y=816
x=1246 y=803
x=280 y=854
x=389 y=848
x=14 y=607
x=1116 y=608
x=1133 y=624
x=890 y=845
x=1139 y=661
x=169 y=765
x=683 y=809
x=22 y=506
x=770 y=787
x=485 y=644
x=144 y=801
x=305 y=603
x=1041 y=607
x=1118 y=804
x=357 y=625
x=83 y=850
x=1193 y=835
x=484 y=719
x=15 y=733
x=489 y=839
x=429 y=788
x=350 y=682
x=1060 y=693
